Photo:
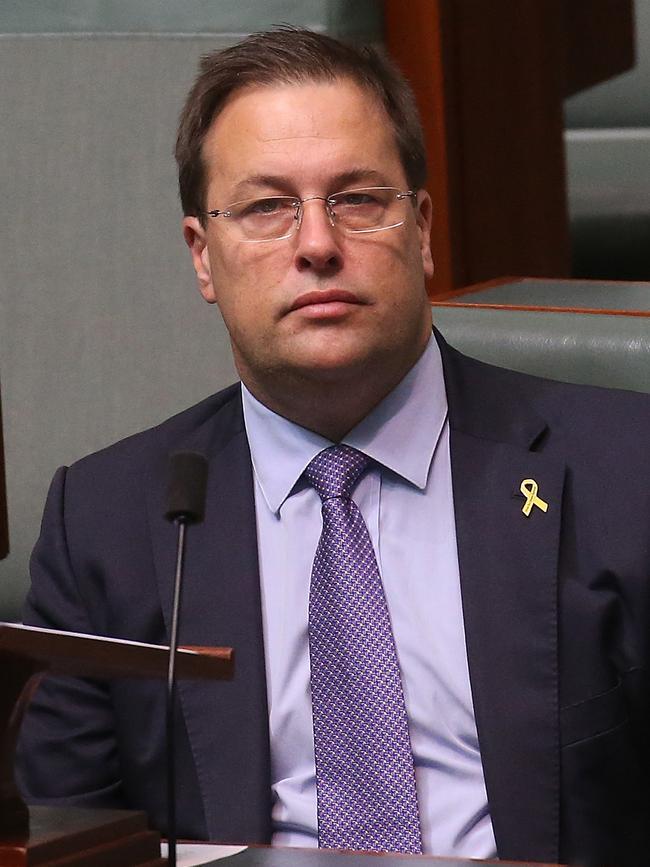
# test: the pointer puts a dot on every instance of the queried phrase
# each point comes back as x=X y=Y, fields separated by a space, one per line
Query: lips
x=323 y=297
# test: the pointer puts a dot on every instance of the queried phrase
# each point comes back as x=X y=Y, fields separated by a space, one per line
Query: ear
x=195 y=238
x=424 y=218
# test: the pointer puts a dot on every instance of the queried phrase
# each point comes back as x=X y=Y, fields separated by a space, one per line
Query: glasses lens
x=270 y=218
x=266 y=218
x=368 y=209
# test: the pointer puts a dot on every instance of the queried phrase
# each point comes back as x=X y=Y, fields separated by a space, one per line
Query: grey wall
x=349 y=17
x=102 y=332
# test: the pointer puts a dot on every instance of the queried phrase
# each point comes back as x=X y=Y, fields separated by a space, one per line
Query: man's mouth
x=325 y=302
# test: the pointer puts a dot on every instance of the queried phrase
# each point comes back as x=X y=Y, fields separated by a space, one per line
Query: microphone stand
x=171 y=695
x=186 y=503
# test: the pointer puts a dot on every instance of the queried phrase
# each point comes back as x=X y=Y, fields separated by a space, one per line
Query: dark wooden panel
x=599 y=41
x=490 y=78
x=414 y=38
x=78 y=837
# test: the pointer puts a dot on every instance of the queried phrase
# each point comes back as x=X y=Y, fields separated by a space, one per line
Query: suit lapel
x=226 y=722
x=508 y=568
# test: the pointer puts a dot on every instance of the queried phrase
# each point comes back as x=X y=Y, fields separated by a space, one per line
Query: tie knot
x=335 y=471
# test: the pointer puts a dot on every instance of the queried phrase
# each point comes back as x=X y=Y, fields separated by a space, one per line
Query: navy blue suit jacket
x=556 y=608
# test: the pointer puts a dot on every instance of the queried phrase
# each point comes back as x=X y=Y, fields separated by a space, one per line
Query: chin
x=334 y=366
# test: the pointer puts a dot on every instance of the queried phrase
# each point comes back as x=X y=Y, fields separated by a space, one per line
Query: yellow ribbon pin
x=529 y=488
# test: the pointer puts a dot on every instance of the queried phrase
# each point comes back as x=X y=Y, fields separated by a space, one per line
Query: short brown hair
x=292 y=56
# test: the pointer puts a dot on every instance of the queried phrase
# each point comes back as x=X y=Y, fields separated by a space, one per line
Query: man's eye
x=356 y=199
x=267 y=206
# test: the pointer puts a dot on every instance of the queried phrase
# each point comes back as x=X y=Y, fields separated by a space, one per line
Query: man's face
x=320 y=304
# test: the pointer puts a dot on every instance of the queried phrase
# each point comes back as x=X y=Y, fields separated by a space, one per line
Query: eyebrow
x=283 y=184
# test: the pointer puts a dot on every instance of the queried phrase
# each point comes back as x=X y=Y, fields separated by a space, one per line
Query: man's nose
x=318 y=241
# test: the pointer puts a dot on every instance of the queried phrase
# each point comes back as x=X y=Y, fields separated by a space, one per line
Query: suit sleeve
x=67 y=752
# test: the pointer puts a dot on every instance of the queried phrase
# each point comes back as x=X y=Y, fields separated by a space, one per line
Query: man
x=491 y=545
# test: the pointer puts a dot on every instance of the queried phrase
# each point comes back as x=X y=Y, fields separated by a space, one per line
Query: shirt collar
x=414 y=412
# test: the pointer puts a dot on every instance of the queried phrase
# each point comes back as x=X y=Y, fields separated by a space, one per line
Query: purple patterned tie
x=364 y=765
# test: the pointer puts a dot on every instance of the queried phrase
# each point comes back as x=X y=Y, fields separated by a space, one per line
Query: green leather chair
x=586 y=332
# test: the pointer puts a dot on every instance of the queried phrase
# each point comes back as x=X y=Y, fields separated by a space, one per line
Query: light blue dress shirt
x=407 y=503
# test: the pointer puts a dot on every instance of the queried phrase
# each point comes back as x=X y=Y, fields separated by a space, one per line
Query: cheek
x=393 y=266
x=375 y=258
x=249 y=264
x=247 y=306
x=236 y=278
x=240 y=307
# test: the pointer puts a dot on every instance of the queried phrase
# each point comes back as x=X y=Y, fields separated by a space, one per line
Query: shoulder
x=200 y=427
x=558 y=400
x=593 y=424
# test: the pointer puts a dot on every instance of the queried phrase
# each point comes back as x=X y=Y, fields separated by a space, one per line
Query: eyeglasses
x=272 y=218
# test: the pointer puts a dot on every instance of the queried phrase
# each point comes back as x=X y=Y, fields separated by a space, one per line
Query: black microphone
x=188 y=476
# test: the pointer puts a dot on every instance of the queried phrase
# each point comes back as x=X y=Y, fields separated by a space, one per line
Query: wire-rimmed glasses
x=272 y=218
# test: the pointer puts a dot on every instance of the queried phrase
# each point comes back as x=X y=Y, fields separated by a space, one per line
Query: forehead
x=303 y=132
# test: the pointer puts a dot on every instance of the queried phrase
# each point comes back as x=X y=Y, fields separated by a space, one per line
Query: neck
x=329 y=407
